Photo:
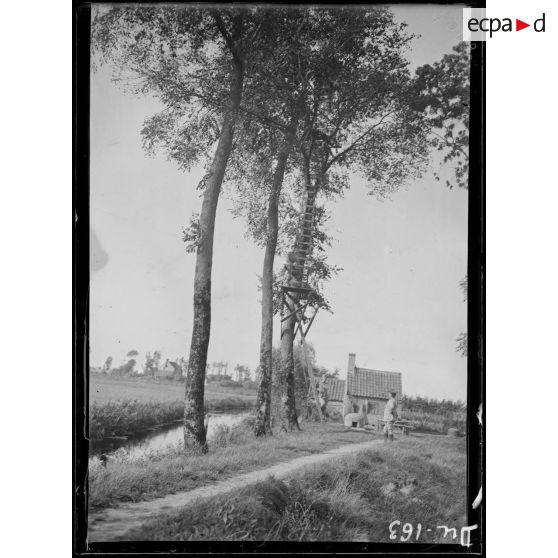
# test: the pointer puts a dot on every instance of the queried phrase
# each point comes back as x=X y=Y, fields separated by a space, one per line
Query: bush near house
x=432 y=415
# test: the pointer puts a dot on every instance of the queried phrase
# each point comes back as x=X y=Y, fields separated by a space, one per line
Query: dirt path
x=113 y=523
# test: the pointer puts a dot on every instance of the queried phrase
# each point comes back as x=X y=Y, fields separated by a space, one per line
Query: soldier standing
x=390 y=416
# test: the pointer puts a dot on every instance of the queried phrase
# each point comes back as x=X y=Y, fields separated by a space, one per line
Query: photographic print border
x=476 y=457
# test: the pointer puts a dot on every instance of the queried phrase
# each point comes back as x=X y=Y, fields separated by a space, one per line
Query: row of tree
x=152 y=365
x=282 y=105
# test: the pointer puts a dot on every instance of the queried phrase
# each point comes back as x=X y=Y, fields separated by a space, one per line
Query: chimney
x=351 y=366
x=347 y=405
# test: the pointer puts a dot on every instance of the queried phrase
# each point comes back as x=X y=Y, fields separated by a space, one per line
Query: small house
x=365 y=391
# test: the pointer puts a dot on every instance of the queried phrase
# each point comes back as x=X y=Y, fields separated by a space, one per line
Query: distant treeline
x=177 y=368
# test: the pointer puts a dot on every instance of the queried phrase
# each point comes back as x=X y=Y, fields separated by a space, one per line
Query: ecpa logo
x=476 y=25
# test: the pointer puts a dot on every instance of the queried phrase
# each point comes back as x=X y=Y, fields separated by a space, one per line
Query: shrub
x=121 y=418
x=230 y=383
x=433 y=422
x=250 y=384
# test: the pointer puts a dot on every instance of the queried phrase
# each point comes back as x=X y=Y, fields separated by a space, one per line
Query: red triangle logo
x=519 y=25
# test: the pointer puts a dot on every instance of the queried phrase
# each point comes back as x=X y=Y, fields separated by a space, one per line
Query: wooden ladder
x=298 y=269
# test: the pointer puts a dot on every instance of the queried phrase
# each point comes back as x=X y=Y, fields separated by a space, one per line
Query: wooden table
x=404 y=425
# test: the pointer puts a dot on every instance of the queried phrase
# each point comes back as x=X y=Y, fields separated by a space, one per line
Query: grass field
x=103 y=388
x=415 y=480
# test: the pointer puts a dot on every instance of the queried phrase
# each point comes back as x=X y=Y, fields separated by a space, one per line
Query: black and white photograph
x=279 y=337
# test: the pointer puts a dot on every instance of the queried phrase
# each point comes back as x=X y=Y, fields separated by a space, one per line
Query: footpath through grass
x=414 y=480
x=232 y=451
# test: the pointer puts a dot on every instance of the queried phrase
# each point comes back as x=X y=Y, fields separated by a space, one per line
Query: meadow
x=415 y=480
x=105 y=388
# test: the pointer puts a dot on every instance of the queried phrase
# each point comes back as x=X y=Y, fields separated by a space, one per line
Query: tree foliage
x=442 y=93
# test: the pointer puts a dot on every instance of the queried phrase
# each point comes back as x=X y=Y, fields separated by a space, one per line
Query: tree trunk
x=288 y=402
x=263 y=405
x=194 y=428
x=289 y=416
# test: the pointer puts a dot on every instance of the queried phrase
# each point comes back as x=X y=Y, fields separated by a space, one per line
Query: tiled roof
x=366 y=383
x=335 y=389
x=374 y=383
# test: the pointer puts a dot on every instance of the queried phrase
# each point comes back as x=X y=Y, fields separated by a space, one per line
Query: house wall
x=335 y=406
x=370 y=407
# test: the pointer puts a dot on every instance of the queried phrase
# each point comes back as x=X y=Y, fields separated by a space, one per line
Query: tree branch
x=451 y=144
x=355 y=143
x=221 y=27
x=265 y=118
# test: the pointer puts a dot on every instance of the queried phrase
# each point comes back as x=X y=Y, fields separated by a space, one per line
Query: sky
x=397 y=303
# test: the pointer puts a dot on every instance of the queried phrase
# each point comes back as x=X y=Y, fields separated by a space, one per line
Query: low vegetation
x=431 y=422
x=123 y=418
x=433 y=415
x=233 y=450
x=415 y=480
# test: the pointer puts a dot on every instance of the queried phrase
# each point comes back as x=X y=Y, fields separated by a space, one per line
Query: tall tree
x=326 y=51
x=360 y=120
x=194 y=60
x=271 y=116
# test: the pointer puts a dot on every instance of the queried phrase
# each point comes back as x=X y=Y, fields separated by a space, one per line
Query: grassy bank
x=415 y=480
x=122 y=418
x=232 y=451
